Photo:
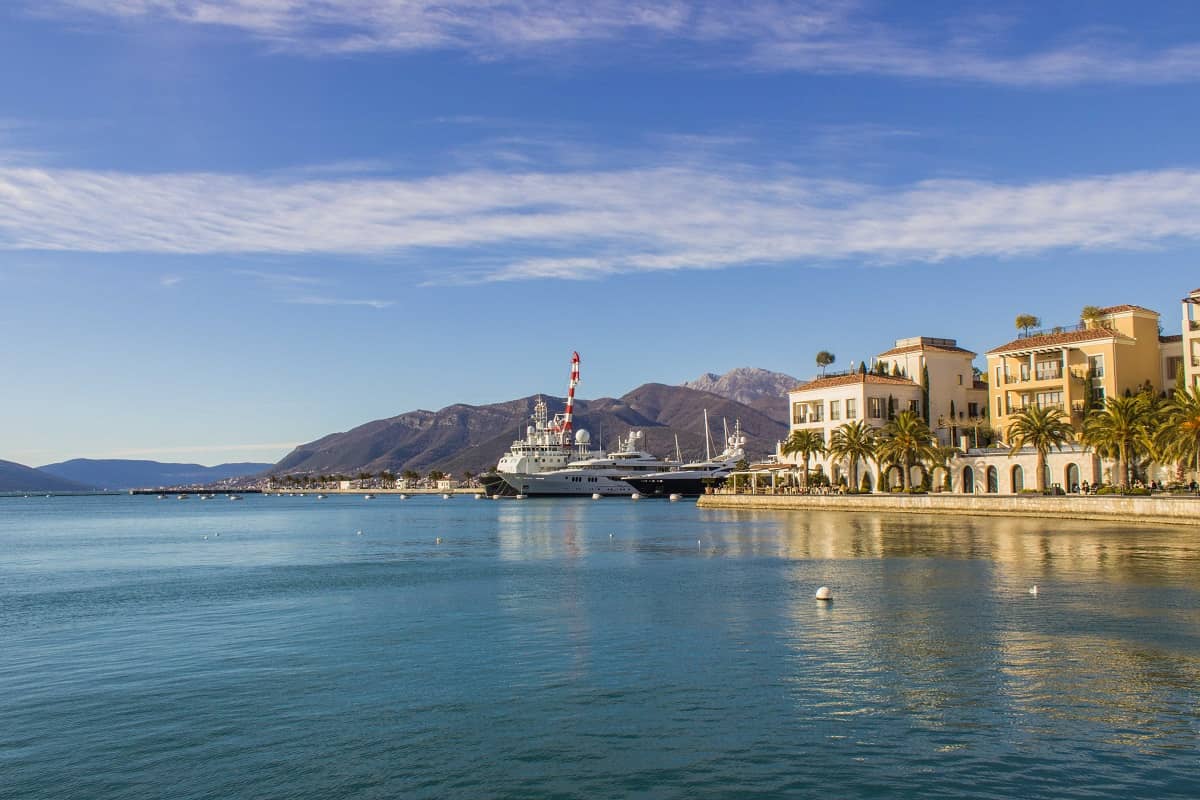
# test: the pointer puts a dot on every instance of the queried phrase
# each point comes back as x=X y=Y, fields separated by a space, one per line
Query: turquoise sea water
x=587 y=649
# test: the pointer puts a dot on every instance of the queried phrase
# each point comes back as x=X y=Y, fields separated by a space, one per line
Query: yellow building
x=1075 y=369
x=1190 y=339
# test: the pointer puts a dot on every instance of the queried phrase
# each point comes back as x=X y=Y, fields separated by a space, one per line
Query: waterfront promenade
x=1159 y=510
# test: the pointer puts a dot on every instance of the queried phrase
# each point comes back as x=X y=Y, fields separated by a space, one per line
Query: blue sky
x=230 y=226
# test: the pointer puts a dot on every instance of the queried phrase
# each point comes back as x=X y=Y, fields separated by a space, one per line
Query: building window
x=999 y=406
x=1049 y=370
x=972 y=409
x=851 y=408
x=799 y=413
x=1097 y=395
x=1096 y=366
x=914 y=406
x=876 y=406
x=999 y=375
x=1049 y=399
x=818 y=412
x=835 y=409
x=960 y=379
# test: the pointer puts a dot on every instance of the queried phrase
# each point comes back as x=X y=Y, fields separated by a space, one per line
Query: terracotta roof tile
x=1051 y=339
x=850 y=380
x=912 y=348
x=1126 y=307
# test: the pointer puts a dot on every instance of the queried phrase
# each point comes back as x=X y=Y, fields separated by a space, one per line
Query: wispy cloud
x=504 y=226
x=170 y=280
x=317 y=300
x=817 y=36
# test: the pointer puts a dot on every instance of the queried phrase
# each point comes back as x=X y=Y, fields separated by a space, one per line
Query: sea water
x=286 y=647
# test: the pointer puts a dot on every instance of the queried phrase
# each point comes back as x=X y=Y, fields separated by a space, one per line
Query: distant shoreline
x=1108 y=508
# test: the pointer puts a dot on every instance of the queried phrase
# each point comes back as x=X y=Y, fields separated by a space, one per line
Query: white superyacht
x=599 y=474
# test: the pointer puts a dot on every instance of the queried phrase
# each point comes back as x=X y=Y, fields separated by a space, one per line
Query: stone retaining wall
x=1150 y=510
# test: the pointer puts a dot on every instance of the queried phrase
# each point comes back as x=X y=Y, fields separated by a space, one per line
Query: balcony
x=1194 y=325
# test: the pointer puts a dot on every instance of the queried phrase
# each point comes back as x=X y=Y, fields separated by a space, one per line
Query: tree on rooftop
x=1090 y=316
x=1026 y=321
x=1043 y=429
x=824 y=359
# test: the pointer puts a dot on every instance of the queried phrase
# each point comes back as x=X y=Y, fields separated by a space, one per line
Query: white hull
x=569 y=484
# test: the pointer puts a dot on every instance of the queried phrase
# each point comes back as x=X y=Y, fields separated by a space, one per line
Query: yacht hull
x=552 y=485
x=665 y=487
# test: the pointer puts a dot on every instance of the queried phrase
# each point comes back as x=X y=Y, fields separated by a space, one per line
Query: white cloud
x=300 y=289
x=502 y=226
x=821 y=36
x=170 y=280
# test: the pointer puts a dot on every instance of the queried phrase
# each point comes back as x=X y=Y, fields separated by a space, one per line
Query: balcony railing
x=1079 y=326
x=1016 y=409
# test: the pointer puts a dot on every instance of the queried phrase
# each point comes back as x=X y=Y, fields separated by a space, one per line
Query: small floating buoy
x=445 y=497
x=438 y=540
x=675 y=498
x=635 y=496
x=1033 y=590
x=403 y=497
x=824 y=593
x=206 y=538
x=610 y=536
x=478 y=496
x=358 y=533
x=596 y=495
x=369 y=497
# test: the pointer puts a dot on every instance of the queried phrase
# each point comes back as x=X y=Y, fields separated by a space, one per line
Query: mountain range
x=118 y=473
x=16 y=477
x=463 y=437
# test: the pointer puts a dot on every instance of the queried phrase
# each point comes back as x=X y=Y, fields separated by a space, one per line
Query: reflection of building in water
x=1023 y=545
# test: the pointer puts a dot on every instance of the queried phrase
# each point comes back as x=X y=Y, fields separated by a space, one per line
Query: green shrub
x=1106 y=490
x=917 y=490
x=1136 y=491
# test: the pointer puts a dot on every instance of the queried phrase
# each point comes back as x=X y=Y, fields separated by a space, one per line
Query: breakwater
x=1148 y=510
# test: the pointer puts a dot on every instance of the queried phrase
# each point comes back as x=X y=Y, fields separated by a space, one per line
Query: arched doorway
x=1071 y=473
x=1018 y=478
x=968 y=480
x=993 y=480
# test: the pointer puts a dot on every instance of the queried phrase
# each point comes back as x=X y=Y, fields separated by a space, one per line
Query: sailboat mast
x=707 y=439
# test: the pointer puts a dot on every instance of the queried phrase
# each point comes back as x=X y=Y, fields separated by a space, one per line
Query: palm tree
x=1177 y=437
x=824 y=359
x=1090 y=316
x=1043 y=429
x=806 y=444
x=906 y=440
x=853 y=441
x=1117 y=429
x=1026 y=321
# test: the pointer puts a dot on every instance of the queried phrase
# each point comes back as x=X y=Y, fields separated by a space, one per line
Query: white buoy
x=1033 y=590
x=206 y=538
x=635 y=496
x=358 y=533
x=445 y=497
x=369 y=497
x=478 y=496
x=824 y=593
x=403 y=497
x=438 y=540
x=596 y=495
x=675 y=498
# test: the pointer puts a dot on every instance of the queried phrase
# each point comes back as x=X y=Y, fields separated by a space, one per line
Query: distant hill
x=463 y=437
x=16 y=477
x=119 y=473
x=758 y=388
